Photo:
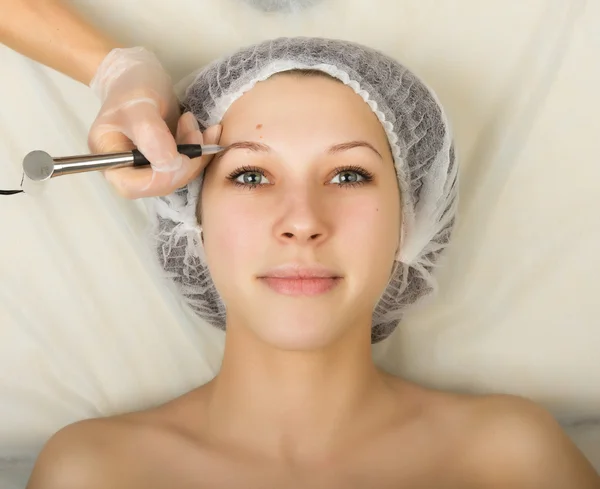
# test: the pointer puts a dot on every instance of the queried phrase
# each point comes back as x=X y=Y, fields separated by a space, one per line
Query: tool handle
x=191 y=150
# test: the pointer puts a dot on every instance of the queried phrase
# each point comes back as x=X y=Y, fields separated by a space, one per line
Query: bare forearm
x=50 y=32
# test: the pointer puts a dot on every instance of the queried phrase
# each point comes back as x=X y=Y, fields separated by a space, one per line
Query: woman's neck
x=296 y=405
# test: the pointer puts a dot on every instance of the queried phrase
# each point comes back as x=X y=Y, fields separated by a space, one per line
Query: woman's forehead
x=302 y=106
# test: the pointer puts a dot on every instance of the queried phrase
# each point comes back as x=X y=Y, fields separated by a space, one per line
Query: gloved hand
x=140 y=109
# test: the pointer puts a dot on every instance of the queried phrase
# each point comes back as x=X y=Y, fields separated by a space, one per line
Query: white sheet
x=87 y=329
x=14 y=473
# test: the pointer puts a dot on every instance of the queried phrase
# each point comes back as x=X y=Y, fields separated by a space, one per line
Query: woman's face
x=308 y=182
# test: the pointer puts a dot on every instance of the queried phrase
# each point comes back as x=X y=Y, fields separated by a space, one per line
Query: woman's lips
x=301 y=286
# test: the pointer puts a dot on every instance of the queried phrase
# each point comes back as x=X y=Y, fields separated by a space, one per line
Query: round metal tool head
x=38 y=166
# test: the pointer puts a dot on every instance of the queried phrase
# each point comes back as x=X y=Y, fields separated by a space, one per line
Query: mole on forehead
x=259 y=126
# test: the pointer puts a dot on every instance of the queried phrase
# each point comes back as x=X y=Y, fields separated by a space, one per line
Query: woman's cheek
x=373 y=229
x=236 y=228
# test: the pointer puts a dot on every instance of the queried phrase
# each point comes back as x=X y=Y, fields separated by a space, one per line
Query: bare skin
x=427 y=439
x=298 y=402
x=53 y=33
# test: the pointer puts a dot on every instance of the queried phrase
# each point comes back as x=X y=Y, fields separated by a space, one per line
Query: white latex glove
x=140 y=109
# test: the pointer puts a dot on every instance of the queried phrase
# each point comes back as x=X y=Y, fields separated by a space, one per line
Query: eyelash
x=367 y=176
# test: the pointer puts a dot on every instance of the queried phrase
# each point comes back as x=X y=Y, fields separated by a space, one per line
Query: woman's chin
x=292 y=335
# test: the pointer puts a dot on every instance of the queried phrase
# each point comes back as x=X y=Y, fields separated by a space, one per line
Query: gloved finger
x=188 y=132
x=145 y=182
x=112 y=133
x=188 y=129
x=136 y=183
x=108 y=138
x=144 y=125
x=212 y=135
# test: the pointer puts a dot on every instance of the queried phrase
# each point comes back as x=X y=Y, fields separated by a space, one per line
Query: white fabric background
x=88 y=329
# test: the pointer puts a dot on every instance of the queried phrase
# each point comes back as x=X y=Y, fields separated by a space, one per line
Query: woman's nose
x=302 y=218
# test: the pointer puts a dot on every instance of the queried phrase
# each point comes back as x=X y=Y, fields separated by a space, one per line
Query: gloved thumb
x=149 y=132
x=212 y=135
x=188 y=132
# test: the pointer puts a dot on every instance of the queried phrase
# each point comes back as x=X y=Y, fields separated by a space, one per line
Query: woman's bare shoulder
x=81 y=455
x=489 y=441
x=101 y=452
x=513 y=442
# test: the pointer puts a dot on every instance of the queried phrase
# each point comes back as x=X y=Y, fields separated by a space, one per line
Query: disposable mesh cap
x=419 y=138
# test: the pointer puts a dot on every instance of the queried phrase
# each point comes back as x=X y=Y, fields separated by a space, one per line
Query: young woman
x=306 y=239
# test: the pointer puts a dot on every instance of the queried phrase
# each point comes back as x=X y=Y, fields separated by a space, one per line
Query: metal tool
x=39 y=166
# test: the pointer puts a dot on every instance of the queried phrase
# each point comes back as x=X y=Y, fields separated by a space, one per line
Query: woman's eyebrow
x=338 y=148
x=265 y=148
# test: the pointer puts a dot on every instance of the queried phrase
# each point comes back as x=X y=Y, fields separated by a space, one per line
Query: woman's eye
x=352 y=176
x=251 y=178
x=348 y=177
